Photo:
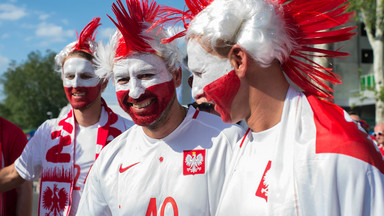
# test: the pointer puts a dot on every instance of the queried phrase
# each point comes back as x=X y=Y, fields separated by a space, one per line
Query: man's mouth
x=142 y=104
x=79 y=94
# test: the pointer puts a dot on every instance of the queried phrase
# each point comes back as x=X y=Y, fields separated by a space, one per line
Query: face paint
x=222 y=91
x=81 y=84
x=205 y=67
x=79 y=72
x=144 y=87
x=213 y=77
x=148 y=108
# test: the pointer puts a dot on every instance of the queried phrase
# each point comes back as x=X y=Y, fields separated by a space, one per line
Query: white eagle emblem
x=194 y=162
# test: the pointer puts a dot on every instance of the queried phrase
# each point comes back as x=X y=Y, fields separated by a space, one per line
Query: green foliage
x=380 y=94
x=31 y=89
x=368 y=9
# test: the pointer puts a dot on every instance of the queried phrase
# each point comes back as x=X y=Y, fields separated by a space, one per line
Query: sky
x=41 y=25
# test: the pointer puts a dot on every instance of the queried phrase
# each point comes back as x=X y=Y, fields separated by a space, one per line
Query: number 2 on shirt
x=152 y=207
x=76 y=167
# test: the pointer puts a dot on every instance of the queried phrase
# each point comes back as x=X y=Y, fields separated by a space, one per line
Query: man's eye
x=123 y=81
x=145 y=76
x=70 y=76
x=86 y=76
x=198 y=74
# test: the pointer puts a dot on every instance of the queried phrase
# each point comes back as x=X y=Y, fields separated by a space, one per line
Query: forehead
x=379 y=127
x=200 y=56
x=139 y=64
x=194 y=49
x=77 y=64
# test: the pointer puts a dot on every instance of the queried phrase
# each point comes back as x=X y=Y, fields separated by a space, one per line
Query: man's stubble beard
x=163 y=117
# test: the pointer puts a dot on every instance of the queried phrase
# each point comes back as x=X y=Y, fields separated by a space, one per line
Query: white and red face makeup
x=82 y=86
x=144 y=87
x=213 y=77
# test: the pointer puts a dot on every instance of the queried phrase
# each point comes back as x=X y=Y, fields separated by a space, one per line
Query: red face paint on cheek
x=81 y=97
x=158 y=96
x=222 y=91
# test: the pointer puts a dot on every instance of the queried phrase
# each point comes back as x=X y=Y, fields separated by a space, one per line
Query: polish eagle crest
x=54 y=200
x=194 y=162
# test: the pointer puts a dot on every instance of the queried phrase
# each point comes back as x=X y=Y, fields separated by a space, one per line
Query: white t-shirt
x=181 y=174
x=85 y=150
x=251 y=169
x=30 y=163
x=321 y=164
x=86 y=138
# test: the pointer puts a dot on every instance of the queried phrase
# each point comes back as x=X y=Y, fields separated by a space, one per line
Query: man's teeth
x=138 y=106
x=78 y=94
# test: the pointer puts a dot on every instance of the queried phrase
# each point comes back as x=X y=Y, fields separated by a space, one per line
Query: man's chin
x=144 y=121
x=80 y=105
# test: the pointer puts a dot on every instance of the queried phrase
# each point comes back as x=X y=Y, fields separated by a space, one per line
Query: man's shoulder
x=9 y=127
x=120 y=141
x=48 y=125
x=119 y=147
x=336 y=133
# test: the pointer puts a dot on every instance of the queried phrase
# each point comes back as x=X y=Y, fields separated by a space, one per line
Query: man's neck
x=168 y=123
x=266 y=98
x=89 y=115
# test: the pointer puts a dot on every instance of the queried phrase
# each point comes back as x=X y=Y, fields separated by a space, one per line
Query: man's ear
x=177 y=77
x=239 y=59
x=104 y=83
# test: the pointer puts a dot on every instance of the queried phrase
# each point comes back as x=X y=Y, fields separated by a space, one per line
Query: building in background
x=356 y=73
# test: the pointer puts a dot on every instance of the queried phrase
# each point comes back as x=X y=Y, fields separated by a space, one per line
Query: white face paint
x=79 y=72
x=139 y=72
x=205 y=67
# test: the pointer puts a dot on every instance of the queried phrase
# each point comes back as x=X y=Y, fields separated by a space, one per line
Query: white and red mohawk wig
x=134 y=36
x=85 y=42
x=285 y=30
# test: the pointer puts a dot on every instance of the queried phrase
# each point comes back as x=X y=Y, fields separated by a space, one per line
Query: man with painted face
x=174 y=160
x=302 y=154
x=62 y=150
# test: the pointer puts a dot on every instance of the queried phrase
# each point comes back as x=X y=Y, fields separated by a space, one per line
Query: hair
x=257 y=26
x=269 y=30
x=84 y=46
x=66 y=53
x=143 y=40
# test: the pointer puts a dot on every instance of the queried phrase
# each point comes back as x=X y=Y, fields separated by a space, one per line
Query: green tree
x=371 y=13
x=31 y=90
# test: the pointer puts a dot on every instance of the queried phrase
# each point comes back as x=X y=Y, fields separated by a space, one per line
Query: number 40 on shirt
x=152 y=207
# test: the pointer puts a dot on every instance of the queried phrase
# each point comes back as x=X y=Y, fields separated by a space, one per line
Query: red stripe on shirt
x=196 y=114
x=246 y=133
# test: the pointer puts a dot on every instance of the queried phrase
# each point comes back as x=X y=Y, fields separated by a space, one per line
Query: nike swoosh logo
x=121 y=169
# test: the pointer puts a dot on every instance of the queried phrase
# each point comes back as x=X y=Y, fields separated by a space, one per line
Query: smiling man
x=303 y=155
x=174 y=160
x=62 y=150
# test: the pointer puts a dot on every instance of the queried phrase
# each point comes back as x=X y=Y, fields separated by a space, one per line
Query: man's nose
x=135 y=88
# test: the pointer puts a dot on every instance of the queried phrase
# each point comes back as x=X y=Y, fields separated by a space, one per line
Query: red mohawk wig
x=172 y=15
x=85 y=42
x=88 y=34
x=288 y=30
x=132 y=24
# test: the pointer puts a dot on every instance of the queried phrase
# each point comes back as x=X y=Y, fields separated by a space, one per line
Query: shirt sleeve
x=14 y=141
x=92 y=201
x=29 y=164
